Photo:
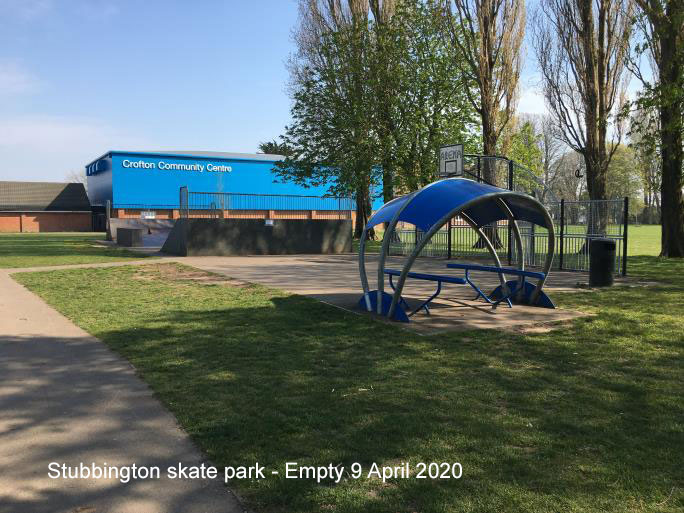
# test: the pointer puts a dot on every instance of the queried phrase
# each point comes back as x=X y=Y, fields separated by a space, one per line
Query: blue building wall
x=153 y=180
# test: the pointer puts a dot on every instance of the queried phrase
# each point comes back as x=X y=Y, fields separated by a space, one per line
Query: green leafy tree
x=331 y=135
x=623 y=177
x=422 y=96
x=645 y=141
x=526 y=148
x=375 y=93
x=662 y=23
x=274 y=148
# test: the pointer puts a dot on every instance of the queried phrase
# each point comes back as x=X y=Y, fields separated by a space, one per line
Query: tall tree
x=385 y=64
x=526 y=147
x=644 y=137
x=581 y=47
x=664 y=36
x=551 y=148
x=375 y=92
x=331 y=135
x=426 y=101
x=489 y=35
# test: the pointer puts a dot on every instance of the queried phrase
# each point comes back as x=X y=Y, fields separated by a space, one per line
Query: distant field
x=39 y=249
x=641 y=240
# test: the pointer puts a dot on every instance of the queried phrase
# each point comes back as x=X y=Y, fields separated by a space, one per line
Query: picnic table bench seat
x=438 y=278
x=506 y=292
x=494 y=269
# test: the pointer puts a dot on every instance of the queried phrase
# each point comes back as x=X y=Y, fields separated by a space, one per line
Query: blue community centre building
x=147 y=184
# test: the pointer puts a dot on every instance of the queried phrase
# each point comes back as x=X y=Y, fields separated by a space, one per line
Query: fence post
x=625 y=221
x=108 y=216
x=449 y=239
x=183 y=202
x=479 y=176
x=562 y=234
x=510 y=228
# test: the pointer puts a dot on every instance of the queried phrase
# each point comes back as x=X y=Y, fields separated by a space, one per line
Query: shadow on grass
x=535 y=422
x=585 y=418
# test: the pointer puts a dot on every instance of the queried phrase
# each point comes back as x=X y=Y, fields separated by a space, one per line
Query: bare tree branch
x=489 y=35
x=582 y=47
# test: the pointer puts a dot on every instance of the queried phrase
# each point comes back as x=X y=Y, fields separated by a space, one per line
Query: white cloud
x=16 y=80
x=42 y=148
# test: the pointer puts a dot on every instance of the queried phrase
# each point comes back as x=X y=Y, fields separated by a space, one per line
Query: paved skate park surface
x=335 y=279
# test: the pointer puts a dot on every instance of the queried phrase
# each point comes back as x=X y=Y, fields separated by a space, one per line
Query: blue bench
x=513 y=286
x=425 y=305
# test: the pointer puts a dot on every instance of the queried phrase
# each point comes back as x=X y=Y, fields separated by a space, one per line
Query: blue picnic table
x=500 y=294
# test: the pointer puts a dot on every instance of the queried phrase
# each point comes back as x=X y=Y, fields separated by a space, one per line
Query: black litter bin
x=601 y=262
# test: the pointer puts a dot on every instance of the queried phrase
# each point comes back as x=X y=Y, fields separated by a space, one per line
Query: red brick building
x=44 y=207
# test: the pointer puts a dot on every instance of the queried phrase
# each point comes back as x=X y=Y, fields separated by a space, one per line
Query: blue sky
x=80 y=77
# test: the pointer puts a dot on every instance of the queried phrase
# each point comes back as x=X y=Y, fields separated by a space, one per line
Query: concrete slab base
x=335 y=279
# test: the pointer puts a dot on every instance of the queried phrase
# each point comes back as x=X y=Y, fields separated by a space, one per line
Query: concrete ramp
x=235 y=237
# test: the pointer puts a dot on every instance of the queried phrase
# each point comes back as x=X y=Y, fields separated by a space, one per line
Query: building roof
x=39 y=196
x=221 y=155
x=218 y=155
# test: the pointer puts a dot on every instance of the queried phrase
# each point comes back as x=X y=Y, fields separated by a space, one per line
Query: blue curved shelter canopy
x=427 y=206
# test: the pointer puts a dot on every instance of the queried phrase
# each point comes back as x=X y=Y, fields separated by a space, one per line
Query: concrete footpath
x=66 y=398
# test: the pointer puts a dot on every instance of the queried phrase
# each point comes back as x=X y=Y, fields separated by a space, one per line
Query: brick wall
x=31 y=222
x=10 y=222
x=134 y=213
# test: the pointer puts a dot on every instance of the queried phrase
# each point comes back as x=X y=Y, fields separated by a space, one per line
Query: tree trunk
x=489 y=176
x=363 y=210
x=670 y=110
x=489 y=143
x=387 y=181
x=672 y=242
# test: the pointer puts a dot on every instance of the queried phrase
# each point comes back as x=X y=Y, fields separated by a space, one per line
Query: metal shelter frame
x=478 y=204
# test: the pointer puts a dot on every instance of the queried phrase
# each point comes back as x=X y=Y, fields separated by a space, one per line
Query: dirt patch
x=183 y=273
x=539 y=328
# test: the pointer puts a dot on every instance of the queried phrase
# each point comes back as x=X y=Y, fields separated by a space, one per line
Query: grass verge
x=586 y=418
x=39 y=249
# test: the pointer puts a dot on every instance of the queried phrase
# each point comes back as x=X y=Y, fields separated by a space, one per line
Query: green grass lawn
x=38 y=249
x=643 y=240
x=588 y=418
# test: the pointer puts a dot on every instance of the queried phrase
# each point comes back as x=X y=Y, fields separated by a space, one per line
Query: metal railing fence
x=281 y=206
x=236 y=205
x=506 y=173
x=575 y=224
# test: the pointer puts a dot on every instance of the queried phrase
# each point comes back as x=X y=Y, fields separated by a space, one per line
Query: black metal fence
x=277 y=206
x=575 y=224
x=506 y=171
